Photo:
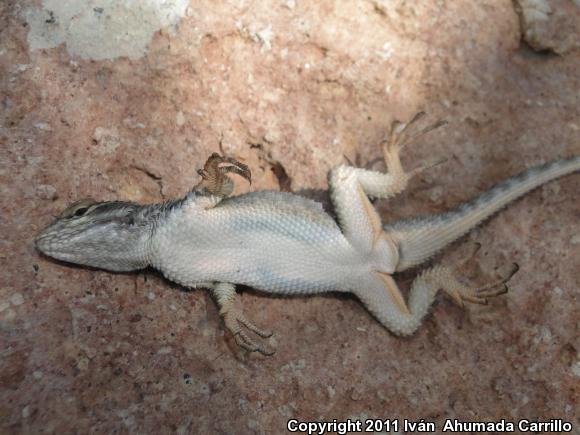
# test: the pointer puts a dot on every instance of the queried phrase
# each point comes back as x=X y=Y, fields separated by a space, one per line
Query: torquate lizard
x=282 y=243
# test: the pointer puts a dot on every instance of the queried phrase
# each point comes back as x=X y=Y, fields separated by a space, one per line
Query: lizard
x=285 y=244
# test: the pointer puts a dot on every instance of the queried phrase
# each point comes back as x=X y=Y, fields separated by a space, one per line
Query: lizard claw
x=235 y=168
x=248 y=344
x=233 y=319
x=431 y=163
x=399 y=137
x=261 y=332
x=461 y=294
x=214 y=177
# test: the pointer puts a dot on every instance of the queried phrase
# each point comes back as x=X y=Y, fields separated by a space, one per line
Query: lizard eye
x=80 y=211
x=77 y=209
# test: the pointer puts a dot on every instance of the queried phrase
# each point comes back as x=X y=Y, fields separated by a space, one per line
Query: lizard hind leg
x=384 y=301
x=351 y=187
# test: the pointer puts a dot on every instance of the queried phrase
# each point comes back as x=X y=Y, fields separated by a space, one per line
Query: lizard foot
x=234 y=320
x=461 y=293
x=214 y=177
x=399 y=137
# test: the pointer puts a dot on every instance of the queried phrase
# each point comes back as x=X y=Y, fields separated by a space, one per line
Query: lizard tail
x=420 y=238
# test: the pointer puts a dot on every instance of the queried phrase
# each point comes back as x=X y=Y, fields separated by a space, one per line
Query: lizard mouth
x=49 y=246
x=47 y=241
x=42 y=242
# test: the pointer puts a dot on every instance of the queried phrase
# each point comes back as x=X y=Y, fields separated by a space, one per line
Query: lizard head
x=109 y=235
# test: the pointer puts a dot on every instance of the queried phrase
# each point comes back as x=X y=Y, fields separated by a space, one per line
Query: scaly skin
x=284 y=244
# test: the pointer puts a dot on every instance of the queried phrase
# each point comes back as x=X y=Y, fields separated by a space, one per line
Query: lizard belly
x=262 y=244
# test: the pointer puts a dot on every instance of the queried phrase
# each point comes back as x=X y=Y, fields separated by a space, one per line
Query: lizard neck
x=133 y=247
x=131 y=253
x=127 y=248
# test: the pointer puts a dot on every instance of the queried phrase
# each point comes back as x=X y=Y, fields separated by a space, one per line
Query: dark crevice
x=156 y=178
x=284 y=180
x=278 y=169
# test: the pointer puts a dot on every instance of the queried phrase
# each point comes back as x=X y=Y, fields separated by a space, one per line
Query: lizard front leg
x=214 y=177
x=234 y=319
x=350 y=187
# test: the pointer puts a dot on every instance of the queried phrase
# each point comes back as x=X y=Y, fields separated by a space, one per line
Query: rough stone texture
x=289 y=87
x=101 y=29
x=552 y=25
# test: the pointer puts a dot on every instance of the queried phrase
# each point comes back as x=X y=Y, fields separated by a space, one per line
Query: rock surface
x=291 y=88
x=550 y=25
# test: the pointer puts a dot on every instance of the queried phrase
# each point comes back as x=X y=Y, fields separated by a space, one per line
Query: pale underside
x=272 y=241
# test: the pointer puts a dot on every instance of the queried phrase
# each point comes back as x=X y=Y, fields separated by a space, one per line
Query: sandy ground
x=113 y=100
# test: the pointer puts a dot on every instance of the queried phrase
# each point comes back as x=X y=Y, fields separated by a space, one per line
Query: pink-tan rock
x=125 y=100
